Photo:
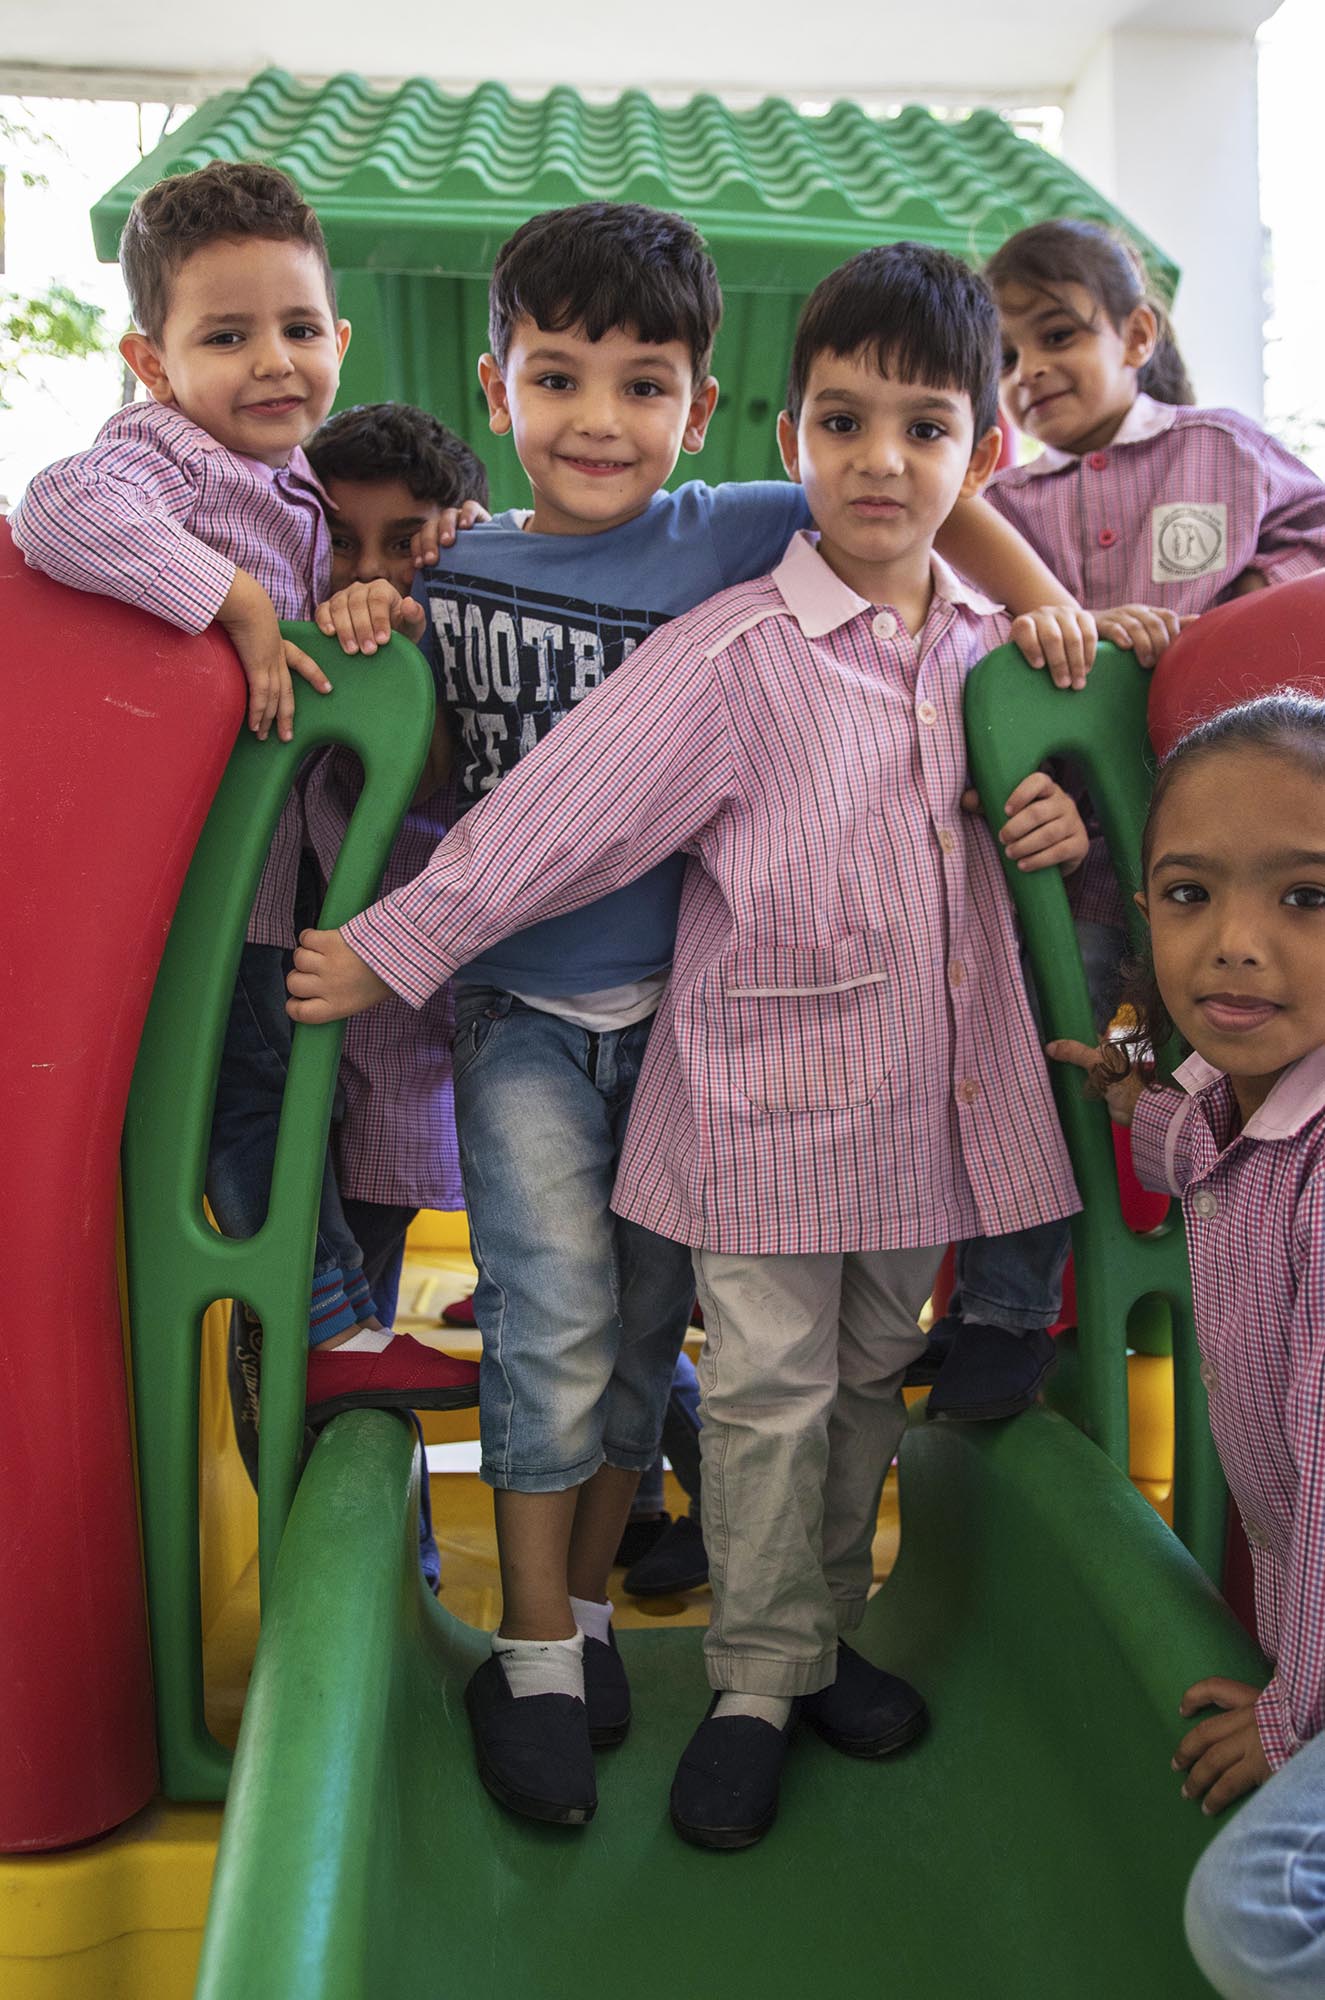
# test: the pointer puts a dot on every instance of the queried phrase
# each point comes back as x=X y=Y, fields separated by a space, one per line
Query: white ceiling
x=1026 y=50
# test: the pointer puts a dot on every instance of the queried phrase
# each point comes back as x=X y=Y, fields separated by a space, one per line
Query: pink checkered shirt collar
x=1297 y=1098
x=820 y=602
x=1145 y=419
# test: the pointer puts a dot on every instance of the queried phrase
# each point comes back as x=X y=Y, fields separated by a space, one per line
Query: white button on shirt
x=884 y=625
x=1204 y=1204
x=927 y=712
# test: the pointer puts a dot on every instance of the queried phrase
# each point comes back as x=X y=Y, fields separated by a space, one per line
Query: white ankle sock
x=368 y=1340
x=774 y=1708
x=594 y=1620
x=542 y=1666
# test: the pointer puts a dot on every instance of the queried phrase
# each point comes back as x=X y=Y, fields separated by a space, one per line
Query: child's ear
x=984 y=463
x=494 y=388
x=1142 y=904
x=789 y=446
x=343 y=330
x=701 y=409
x=1140 y=335
x=148 y=366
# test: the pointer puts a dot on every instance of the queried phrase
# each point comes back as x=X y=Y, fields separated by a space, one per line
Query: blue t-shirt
x=523 y=626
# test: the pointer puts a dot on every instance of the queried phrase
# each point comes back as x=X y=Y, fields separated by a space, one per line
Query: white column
x=1165 y=125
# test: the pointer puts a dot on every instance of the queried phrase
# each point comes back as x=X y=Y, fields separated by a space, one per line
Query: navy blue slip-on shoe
x=924 y=1370
x=677 y=1561
x=992 y=1372
x=865 y=1712
x=725 y=1792
x=638 y=1537
x=606 y=1691
x=533 y=1754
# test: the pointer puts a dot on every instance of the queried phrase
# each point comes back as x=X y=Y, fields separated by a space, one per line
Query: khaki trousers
x=801 y=1395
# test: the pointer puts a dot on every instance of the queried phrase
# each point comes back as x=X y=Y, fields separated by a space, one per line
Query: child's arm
x=625 y=781
x=976 y=540
x=1291 y=540
x=113 y=520
x=1258 y=1730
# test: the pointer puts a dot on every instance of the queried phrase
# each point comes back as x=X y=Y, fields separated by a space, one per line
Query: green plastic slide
x=1033 y=1846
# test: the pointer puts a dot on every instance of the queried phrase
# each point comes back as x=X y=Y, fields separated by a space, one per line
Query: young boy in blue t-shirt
x=601 y=327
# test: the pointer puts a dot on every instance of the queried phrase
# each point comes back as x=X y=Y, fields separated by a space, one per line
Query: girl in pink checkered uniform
x=1233 y=864
x=1151 y=508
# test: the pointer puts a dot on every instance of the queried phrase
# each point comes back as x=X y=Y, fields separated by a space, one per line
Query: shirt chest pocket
x=808 y=1028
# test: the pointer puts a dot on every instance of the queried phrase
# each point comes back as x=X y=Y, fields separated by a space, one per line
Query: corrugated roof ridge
x=949 y=180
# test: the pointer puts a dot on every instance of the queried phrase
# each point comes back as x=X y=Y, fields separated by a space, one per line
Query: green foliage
x=54 y=323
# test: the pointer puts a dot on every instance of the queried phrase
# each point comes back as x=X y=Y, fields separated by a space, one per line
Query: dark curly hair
x=224 y=200
x=1049 y=255
x=1287 y=723
x=376 y=441
x=603 y=266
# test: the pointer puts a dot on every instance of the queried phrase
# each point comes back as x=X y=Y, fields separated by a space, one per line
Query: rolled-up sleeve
x=627 y=779
x=114 y=520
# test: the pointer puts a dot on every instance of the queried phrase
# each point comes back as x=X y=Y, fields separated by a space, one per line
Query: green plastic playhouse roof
x=417 y=180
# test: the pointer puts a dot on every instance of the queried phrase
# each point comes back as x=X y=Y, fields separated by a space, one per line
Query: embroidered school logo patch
x=1188 y=538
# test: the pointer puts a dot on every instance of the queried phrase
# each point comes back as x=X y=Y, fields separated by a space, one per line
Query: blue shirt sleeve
x=751 y=523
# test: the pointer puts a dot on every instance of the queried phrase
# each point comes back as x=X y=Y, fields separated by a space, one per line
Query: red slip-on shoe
x=461 y=1313
x=405 y=1375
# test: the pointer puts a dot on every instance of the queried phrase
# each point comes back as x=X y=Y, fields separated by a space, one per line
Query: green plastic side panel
x=1033 y=1846
x=1015 y=719
x=177 y=1265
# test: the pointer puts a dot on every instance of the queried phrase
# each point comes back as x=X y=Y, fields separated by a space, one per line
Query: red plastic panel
x=1271 y=639
x=116 y=729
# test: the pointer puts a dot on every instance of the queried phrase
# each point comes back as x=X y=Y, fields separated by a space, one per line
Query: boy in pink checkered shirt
x=199 y=504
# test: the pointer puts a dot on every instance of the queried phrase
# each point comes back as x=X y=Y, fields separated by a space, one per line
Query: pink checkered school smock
x=1171 y=512
x=844 y=1058
x=1254 y=1203
x=396 y=1142
x=159 y=514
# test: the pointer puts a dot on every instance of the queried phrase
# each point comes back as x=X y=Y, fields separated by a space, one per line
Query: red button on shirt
x=1108 y=536
x=1098 y=460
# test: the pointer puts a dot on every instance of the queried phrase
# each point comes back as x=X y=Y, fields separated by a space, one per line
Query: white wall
x=1165 y=125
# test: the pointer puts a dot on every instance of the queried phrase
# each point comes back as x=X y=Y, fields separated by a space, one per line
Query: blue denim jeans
x=1256 y=1905
x=254 y=1061
x=1016 y=1281
x=582 y=1314
x=680 y=1443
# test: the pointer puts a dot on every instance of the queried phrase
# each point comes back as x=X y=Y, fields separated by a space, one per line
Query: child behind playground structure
x=393 y=476
x=843 y=1072
x=1233 y=877
x=1136 y=496
x=199 y=504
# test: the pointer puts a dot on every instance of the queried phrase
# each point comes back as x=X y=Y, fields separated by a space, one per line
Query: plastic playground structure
x=1033 y=1847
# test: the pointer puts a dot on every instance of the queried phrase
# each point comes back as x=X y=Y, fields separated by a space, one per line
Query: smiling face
x=1069 y=375
x=883 y=464
x=598 y=424
x=249 y=348
x=1235 y=896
